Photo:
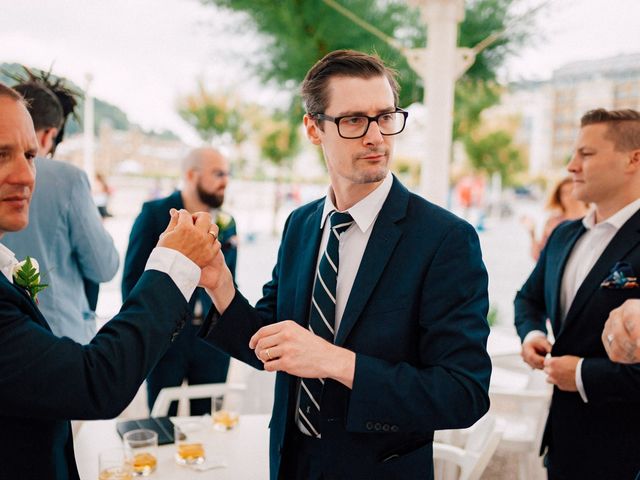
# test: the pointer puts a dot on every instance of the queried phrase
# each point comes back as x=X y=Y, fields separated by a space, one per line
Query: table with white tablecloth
x=244 y=450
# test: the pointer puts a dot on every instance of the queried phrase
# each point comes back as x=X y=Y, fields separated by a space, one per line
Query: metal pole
x=88 y=122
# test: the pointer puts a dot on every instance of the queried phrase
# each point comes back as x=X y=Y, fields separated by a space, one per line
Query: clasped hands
x=561 y=371
x=621 y=333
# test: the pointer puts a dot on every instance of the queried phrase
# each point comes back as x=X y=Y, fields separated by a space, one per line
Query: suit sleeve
x=606 y=381
x=448 y=388
x=44 y=376
x=142 y=240
x=229 y=249
x=92 y=245
x=531 y=311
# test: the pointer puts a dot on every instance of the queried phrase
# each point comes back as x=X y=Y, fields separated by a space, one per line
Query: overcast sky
x=144 y=54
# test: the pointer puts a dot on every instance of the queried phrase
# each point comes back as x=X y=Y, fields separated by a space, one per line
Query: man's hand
x=189 y=235
x=534 y=350
x=561 y=371
x=291 y=348
x=621 y=334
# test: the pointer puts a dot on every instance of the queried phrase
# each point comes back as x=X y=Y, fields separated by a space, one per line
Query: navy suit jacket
x=46 y=380
x=416 y=319
x=601 y=438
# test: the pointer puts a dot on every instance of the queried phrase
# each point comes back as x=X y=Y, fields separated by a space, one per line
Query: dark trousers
x=301 y=458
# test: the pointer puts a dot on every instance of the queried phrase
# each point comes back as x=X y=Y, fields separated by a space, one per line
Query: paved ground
x=505 y=251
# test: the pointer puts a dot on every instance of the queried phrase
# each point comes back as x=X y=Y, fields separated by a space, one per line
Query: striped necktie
x=322 y=319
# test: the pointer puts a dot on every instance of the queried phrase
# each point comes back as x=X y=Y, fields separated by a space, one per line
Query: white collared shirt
x=7 y=261
x=353 y=241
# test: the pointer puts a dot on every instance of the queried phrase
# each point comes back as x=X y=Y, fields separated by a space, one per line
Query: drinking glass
x=115 y=464
x=143 y=445
x=190 y=435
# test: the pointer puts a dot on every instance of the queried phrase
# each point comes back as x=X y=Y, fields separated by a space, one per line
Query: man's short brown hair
x=342 y=63
x=623 y=126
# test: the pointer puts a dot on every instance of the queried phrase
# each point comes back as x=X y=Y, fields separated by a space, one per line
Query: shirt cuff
x=184 y=273
x=579 y=383
x=534 y=334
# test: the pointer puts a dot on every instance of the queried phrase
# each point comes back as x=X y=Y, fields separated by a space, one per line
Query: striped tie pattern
x=322 y=319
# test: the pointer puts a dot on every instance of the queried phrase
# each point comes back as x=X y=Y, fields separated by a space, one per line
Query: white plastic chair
x=521 y=410
x=471 y=459
x=189 y=392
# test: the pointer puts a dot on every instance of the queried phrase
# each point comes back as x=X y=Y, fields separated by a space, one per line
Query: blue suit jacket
x=416 y=318
x=601 y=438
x=46 y=380
x=66 y=236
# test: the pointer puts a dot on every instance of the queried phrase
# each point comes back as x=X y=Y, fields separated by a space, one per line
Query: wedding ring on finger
x=268 y=353
x=610 y=339
x=213 y=234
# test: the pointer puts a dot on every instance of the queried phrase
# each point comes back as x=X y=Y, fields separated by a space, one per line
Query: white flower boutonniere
x=26 y=274
x=223 y=221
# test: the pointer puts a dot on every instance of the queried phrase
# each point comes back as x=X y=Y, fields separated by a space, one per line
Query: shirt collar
x=366 y=210
x=7 y=262
x=616 y=220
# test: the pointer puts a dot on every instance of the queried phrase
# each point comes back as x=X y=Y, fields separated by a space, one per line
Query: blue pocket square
x=621 y=277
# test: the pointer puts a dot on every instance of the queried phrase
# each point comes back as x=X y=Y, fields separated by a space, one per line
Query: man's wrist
x=222 y=296
x=343 y=366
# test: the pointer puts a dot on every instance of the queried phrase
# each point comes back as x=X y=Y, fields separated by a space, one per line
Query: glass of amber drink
x=115 y=464
x=143 y=445
x=225 y=412
x=190 y=436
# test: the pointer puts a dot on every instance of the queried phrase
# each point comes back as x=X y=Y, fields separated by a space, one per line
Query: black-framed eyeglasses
x=357 y=126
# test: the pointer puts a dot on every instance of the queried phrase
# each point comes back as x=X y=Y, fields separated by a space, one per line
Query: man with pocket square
x=587 y=269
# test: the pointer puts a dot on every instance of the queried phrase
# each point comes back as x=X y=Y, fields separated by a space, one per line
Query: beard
x=371 y=175
x=213 y=200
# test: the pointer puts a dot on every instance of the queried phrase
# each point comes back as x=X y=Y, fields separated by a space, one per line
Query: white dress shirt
x=353 y=241
x=7 y=261
x=585 y=253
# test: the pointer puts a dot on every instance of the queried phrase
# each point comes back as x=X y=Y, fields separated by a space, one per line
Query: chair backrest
x=188 y=392
x=473 y=458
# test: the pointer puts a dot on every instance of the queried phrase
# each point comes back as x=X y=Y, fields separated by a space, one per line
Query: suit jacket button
x=369 y=425
x=394 y=428
x=378 y=426
x=385 y=427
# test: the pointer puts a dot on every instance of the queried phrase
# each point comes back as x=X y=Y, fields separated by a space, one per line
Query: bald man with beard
x=205 y=178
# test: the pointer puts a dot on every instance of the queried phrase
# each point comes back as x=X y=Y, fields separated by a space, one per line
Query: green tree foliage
x=297 y=33
x=494 y=152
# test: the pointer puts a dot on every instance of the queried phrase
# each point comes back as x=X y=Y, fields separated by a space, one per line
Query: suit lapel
x=22 y=293
x=307 y=269
x=567 y=247
x=383 y=240
x=622 y=243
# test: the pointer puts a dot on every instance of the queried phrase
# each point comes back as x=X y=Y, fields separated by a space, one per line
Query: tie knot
x=340 y=221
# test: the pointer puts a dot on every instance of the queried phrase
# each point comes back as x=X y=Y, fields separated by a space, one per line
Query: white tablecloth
x=245 y=450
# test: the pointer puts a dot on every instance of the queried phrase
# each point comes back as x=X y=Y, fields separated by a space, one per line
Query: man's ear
x=312 y=129
x=46 y=138
x=634 y=159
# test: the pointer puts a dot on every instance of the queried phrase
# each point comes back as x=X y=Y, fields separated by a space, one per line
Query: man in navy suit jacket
x=46 y=380
x=408 y=356
x=588 y=268
x=205 y=176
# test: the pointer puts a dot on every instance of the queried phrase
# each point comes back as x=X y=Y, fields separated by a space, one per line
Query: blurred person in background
x=65 y=232
x=563 y=206
x=205 y=177
x=586 y=270
x=101 y=194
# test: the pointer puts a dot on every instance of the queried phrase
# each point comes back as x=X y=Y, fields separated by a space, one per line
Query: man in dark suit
x=375 y=317
x=586 y=270
x=46 y=380
x=205 y=177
